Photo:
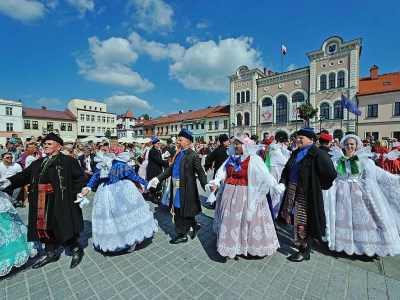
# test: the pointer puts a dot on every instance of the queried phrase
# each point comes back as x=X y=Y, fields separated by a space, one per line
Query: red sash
x=43 y=190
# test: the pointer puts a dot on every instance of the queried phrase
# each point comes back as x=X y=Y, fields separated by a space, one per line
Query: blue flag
x=346 y=103
x=217 y=122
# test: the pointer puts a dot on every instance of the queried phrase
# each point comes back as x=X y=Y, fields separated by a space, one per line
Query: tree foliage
x=107 y=134
x=307 y=112
x=146 y=117
x=254 y=137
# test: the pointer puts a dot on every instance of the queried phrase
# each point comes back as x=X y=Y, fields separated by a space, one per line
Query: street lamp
x=321 y=119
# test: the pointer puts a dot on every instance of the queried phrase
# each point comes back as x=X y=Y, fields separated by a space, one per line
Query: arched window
x=242 y=97
x=332 y=79
x=297 y=97
x=246 y=119
x=238 y=120
x=340 y=79
x=247 y=96
x=281 y=109
x=323 y=82
x=267 y=102
x=337 y=110
x=338 y=134
x=324 y=110
x=237 y=98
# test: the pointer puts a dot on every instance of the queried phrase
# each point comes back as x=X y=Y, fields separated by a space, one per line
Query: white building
x=93 y=118
x=10 y=119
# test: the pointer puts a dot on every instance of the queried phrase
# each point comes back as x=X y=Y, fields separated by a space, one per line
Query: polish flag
x=283 y=50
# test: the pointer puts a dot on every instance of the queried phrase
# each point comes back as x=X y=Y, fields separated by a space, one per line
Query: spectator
x=32 y=155
x=10 y=148
x=9 y=168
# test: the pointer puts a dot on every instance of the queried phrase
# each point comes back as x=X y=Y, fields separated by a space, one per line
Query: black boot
x=77 y=255
x=181 y=238
x=300 y=256
x=50 y=258
x=196 y=229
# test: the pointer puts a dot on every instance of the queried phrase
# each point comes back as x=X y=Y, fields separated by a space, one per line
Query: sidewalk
x=159 y=270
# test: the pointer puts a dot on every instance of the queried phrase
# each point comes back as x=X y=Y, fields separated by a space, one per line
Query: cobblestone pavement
x=159 y=270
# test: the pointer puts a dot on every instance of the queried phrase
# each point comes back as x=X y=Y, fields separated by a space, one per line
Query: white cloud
x=152 y=15
x=127 y=101
x=175 y=100
x=22 y=10
x=192 y=39
x=113 y=50
x=204 y=23
x=291 y=67
x=206 y=65
x=107 y=27
x=52 y=4
x=82 y=6
x=48 y=102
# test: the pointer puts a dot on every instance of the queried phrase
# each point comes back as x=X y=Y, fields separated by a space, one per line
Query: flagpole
x=281 y=58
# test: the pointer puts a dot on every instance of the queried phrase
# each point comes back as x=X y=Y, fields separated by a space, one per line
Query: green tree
x=307 y=112
x=254 y=137
x=146 y=117
x=107 y=134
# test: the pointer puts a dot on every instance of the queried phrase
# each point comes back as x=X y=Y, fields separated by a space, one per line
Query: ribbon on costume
x=236 y=162
x=353 y=165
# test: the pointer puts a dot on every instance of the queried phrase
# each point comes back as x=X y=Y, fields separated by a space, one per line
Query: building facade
x=10 y=119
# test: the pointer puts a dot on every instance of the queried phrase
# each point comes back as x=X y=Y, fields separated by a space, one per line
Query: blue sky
x=158 y=56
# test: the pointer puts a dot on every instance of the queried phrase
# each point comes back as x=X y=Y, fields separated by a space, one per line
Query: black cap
x=53 y=137
x=223 y=138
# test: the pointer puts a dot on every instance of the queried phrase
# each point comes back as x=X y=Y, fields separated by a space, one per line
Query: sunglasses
x=8 y=157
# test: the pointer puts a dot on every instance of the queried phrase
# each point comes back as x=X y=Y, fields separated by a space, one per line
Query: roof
x=221 y=110
x=167 y=119
x=128 y=114
x=48 y=114
x=384 y=83
x=201 y=113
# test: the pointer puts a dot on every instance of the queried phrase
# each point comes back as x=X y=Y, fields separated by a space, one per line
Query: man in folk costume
x=325 y=141
x=308 y=171
x=184 y=196
x=171 y=149
x=155 y=168
x=204 y=151
x=54 y=218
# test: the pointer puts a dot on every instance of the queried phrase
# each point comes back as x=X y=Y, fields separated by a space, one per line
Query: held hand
x=84 y=192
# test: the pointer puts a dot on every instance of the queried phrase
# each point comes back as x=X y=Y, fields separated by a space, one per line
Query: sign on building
x=267 y=114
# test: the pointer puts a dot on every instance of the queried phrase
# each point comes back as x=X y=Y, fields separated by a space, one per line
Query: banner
x=267 y=114
x=293 y=115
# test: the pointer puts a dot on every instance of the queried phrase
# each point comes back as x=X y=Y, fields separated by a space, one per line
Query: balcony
x=46 y=131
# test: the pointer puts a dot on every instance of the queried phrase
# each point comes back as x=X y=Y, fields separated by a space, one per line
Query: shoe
x=131 y=249
x=236 y=257
x=315 y=243
x=77 y=256
x=196 y=229
x=299 y=256
x=182 y=238
x=50 y=258
x=212 y=205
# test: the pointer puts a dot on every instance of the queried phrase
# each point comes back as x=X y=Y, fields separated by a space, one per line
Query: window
x=98 y=119
x=176 y=127
x=27 y=124
x=216 y=125
x=397 y=108
x=49 y=125
x=9 y=126
x=63 y=127
x=101 y=109
x=69 y=126
x=92 y=118
x=90 y=107
x=338 y=134
x=35 y=125
x=95 y=108
x=88 y=118
x=197 y=125
x=246 y=119
x=172 y=127
x=9 y=111
x=112 y=120
x=108 y=119
x=267 y=102
x=103 y=119
x=210 y=138
x=396 y=135
x=324 y=110
x=87 y=129
x=247 y=96
x=98 y=129
x=182 y=126
x=242 y=97
x=374 y=134
x=82 y=129
x=297 y=97
x=84 y=106
x=340 y=79
x=332 y=79
x=337 y=110
x=323 y=82
x=93 y=129
x=238 y=119
x=225 y=124
x=82 y=117
x=237 y=98
x=281 y=109
x=372 y=110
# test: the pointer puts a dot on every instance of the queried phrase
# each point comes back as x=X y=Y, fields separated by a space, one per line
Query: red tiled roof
x=129 y=114
x=48 y=114
x=383 y=84
x=167 y=119
x=201 y=113
x=221 y=110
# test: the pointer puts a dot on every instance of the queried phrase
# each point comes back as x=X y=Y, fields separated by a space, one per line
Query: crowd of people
x=345 y=193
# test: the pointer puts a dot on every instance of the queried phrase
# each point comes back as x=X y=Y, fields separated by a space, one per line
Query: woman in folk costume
x=143 y=167
x=15 y=250
x=120 y=218
x=243 y=220
x=362 y=207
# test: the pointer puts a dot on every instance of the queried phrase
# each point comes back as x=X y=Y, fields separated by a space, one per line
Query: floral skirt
x=15 y=250
x=120 y=217
x=236 y=235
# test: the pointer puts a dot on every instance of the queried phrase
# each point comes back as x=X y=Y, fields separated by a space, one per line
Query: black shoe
x=315 y=243
x=131 y=249
x=196 y=229
x=77 y=256
x=236 y=257
x=299 y=256
x=182 y=238
x=50 y=258
x=212 y=205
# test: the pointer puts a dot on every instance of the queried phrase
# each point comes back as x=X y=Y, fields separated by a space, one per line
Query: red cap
x=326 y=137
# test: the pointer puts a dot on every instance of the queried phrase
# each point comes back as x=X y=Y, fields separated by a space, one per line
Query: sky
x=158 y=57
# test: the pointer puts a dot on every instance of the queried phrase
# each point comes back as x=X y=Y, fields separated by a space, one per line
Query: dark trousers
x=182 y=225
x=308 y=247
x=52 y=244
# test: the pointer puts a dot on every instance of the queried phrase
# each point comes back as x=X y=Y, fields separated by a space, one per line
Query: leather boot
x=196 y=229
x=181 y=238
x=300 y=256
x=50 y=258
x=77 y=255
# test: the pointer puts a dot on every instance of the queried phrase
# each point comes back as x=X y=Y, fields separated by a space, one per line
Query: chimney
x=265 y=71
x=270 y=73
x=43 y=107
x=190 y=110
x=373 y=72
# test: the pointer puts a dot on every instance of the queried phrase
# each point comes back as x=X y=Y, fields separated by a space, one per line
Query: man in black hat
x=54 y=218
x=308 y=171
x=184 y=196
x=155 y=168
x=218 y=156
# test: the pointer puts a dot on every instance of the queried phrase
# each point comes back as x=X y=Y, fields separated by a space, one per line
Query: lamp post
x=321 y=119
